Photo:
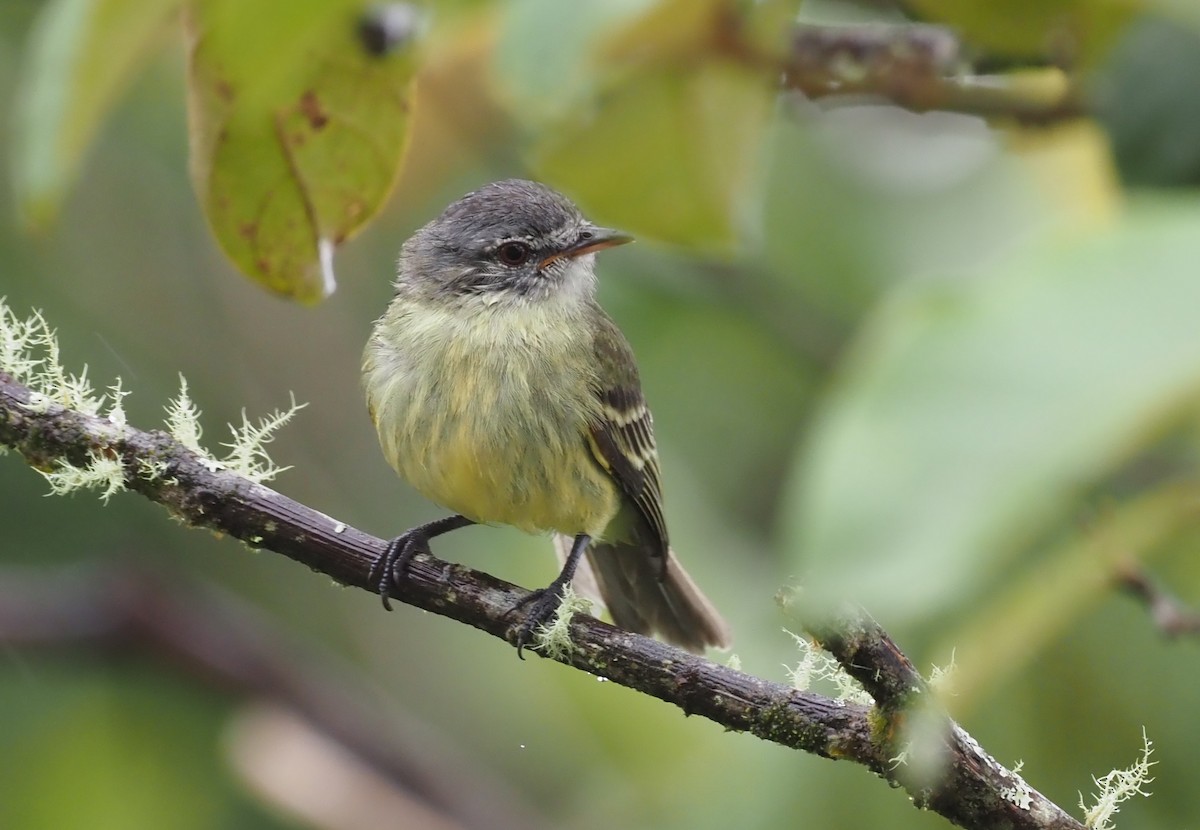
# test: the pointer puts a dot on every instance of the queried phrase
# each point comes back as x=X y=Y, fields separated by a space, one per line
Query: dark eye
x=513 y=253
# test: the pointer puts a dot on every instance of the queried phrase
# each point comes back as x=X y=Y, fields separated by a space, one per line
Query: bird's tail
x=629 y=580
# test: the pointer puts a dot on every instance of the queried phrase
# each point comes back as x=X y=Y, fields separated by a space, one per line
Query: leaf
x=674 y=31
x=1071 y=165
x=671 y=153
x=1183 y=11
x=651 y=114
x=971 y=412
x=545 y=60
x=1019 y=623
x=297 y=133
x=82 y=54
x=1035 y=28
x=135 y=752
x=1146 y=102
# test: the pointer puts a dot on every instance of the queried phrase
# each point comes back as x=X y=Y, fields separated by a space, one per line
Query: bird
x=501 y=390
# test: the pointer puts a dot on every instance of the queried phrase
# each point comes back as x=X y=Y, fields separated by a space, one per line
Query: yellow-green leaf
x=669 y=153
x=297 y=133
x=1070 y=29
x=674 y=30
x=82 y=54
x=651 y=112
x=545 y=60
x=972 y=410
x=1186 y=11
x=1029 y=613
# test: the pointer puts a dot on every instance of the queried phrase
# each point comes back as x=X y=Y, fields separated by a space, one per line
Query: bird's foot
x=389 y=569
x=543 y=605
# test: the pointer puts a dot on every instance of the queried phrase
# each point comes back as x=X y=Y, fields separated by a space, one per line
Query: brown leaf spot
x=310 y=108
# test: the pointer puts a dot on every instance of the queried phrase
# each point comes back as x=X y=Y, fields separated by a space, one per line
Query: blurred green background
x=945 y=368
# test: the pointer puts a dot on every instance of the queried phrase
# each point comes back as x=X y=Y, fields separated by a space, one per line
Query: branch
x=920 y=68
x=969 y=778
x=969 y=788
x=1170 y=616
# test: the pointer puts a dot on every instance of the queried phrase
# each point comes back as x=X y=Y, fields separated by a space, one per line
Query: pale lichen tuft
x=817 y=666
x=1116 y=787
x=941 y=678
x=183 y=420
x=152 y=469
x=29 y=352
x=247 y=451
x=554 y=640
x=103 y=472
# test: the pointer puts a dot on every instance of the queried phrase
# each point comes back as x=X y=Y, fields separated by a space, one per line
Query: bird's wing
x=622 y=438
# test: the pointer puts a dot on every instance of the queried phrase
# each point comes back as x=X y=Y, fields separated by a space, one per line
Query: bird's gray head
x=512 y=240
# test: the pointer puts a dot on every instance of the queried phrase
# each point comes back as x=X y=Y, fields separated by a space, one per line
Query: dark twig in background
x=969 y=788
x=1170 y=615
x=207 y=634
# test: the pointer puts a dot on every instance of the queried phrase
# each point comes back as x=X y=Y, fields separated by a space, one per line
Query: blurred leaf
x=1145 y=97
x=297 y=133
x=1020 y=622
x=760 y=382
x=1071 y=29
x=81 y=55
x=768 y=26
x=669 y=154
x=133 y=755
x=971 y=411
x=862 y=198
x=652 y=115
x=553 y=56
x=1072 y=164
x=672 y=31
x=545 y=61
x=1186 y=11
x=458 y=131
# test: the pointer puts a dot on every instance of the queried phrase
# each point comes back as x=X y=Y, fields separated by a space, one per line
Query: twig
x=919 y=68
x=1170 y=616
x=208 y=634
x=970 y=789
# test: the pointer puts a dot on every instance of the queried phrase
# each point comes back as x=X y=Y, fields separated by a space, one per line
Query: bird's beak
x=595 y=239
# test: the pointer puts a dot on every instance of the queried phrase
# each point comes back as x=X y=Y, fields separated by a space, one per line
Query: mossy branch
x=967 y=787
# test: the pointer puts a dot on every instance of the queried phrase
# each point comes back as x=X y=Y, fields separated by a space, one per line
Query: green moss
x=776 y=723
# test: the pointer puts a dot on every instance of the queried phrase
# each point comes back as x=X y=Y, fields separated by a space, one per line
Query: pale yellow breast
x=485 y=412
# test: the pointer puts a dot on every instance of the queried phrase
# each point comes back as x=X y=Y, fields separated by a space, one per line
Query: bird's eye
x=513 y=253
x=584 y=236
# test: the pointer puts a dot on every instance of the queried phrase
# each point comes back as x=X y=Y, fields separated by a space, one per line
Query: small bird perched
x=501 y=390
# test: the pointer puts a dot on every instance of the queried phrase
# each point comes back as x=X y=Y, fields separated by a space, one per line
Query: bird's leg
x=544 y=602
x=389 y=569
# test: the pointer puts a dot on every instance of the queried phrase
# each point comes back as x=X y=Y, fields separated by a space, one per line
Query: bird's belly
x=503 y=443
x=489 y=476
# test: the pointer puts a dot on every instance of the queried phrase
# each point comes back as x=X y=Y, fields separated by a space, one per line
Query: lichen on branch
x=30 y=354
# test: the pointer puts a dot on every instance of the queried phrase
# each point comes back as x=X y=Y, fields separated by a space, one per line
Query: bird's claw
x=543 y=606
x=389 y=569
